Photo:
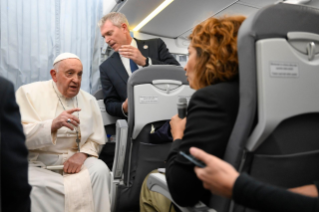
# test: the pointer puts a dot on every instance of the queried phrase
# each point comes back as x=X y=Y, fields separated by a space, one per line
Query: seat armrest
x=157 y=182
x=107 y=118
x=120 y=148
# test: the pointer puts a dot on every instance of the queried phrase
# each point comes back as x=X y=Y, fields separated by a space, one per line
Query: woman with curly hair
x=212 y=70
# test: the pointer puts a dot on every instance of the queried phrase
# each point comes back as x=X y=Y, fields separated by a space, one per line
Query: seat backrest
x=107 y=118
x=275 y=131
x=0 y=168
x=153 y=93
x=107 y=152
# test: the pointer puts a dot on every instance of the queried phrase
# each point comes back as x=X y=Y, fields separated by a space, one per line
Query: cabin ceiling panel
x=235 y=9
x=174 y=20
x=178 y=19
x=136 y=10
x=181 y=15
x=313 y=3
x=258 y=3
x=238 y=9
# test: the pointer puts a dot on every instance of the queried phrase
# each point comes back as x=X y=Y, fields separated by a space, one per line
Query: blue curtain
x=34 y=32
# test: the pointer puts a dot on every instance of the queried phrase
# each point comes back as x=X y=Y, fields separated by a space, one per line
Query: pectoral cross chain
x=77 y=105
x=78 y=141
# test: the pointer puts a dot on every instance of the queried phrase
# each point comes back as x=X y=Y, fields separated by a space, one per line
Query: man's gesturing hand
x=133 y=53
x=62 y=120
x=74 y=163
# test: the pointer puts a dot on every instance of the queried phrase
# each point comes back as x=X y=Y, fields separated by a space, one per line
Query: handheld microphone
x=181 y=107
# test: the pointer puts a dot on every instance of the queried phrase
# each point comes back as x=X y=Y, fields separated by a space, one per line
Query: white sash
x=78 y=192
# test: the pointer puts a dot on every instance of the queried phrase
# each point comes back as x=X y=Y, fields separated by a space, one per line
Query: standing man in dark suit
x=130 y=54
x=15 y=189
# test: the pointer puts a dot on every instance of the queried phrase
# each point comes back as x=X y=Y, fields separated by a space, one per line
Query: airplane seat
x=153 y=93
x=108 y=120
x=275 y=135
x=107 y=152
x=99 y=94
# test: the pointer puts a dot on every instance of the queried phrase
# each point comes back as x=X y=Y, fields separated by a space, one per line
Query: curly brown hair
x=215 y=41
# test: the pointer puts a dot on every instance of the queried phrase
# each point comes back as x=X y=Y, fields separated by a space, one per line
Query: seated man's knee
x=98 y=167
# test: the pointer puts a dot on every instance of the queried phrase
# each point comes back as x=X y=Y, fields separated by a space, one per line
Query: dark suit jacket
x=15 y=189
x=114 y=76
x=212 y=112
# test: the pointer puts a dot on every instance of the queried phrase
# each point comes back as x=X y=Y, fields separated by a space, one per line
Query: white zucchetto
x=65 y=56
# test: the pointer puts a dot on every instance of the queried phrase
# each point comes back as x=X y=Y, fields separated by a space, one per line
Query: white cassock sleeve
x=98 y=137
x=38 y=132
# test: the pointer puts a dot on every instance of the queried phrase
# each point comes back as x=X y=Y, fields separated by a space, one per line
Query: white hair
x=116 y=18
x=56 y=67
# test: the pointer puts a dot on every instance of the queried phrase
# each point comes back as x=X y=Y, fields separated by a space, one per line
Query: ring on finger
x=69 y=120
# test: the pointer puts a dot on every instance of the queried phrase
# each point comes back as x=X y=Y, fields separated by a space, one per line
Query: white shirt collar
x=59 y=93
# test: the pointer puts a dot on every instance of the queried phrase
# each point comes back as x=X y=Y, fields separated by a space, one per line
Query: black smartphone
x=195 y=161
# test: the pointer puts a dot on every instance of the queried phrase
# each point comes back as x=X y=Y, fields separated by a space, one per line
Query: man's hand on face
x=133 y=53
x=62 y=120
x=125 y=106
x=74 y=163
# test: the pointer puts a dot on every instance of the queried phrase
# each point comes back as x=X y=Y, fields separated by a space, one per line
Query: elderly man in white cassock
x=63 y=126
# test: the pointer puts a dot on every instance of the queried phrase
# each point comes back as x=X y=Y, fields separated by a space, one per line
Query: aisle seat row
x=275 y=137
